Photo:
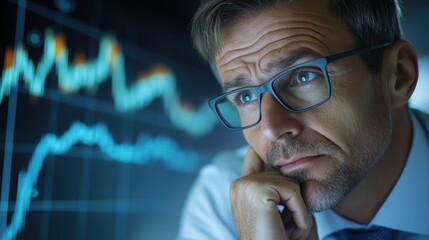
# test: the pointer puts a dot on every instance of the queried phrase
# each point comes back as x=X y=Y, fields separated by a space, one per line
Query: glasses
x=300 y=88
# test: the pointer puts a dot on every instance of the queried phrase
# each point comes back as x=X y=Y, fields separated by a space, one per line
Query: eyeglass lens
x=296 y=89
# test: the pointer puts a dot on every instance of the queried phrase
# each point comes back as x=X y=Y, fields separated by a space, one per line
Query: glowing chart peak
x=145 y=151
x=158 y=82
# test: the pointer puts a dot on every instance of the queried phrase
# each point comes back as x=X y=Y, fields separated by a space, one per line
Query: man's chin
x=318 y=197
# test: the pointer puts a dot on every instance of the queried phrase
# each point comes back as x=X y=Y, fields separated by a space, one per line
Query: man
x=320 y=91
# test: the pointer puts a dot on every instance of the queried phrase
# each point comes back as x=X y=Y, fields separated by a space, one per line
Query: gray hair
x=371 y=22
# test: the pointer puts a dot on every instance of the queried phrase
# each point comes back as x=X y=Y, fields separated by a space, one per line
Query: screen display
x=104 y=119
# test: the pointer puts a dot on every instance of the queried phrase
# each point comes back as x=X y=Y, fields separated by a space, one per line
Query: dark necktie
x=380 y=233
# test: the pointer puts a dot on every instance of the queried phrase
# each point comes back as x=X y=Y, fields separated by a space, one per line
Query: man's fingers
x=290 y=196
x=260 y=189
x=255 y=199
x=252 y=163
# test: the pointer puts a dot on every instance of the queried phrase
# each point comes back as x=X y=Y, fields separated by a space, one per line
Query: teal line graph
x=145 y=151
x=158 y=82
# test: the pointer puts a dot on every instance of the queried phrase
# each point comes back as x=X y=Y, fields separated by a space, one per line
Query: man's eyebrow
x=289 y=60
x=240 y=81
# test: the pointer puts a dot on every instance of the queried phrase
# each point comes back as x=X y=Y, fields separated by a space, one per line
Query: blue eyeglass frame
x=321 y=62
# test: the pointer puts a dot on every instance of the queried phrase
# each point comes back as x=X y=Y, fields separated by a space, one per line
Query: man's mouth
x=295 y=162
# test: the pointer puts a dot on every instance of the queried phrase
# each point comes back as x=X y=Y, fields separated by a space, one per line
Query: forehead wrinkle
x=280 y=43
x=233 y=57
x=318 y=15
x=280 y=26
x=253 y=55
x=247 y=46
x=289 y=33
x=303 y=41
x=289 y=60
x=303 y=36
x=260 y=40
x=231 y=69
x=319 y=24
x=244 y=72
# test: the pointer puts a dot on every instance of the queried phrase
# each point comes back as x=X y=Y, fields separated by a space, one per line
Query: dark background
x=83 y=193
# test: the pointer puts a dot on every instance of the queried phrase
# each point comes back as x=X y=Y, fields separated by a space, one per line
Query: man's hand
x=255 y=198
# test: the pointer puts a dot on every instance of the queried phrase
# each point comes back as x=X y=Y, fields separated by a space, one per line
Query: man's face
x=330 y=149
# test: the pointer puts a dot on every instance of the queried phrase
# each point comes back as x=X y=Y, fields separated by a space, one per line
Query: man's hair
x=371 y=22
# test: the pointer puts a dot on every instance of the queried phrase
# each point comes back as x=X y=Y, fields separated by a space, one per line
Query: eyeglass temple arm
x=354 y=52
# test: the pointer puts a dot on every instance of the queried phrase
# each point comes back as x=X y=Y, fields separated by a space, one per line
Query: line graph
x=94 y=64
x=158 y=82
x=143 y=152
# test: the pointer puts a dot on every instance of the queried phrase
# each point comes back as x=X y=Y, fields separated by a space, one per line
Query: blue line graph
x=158 y=82
x=143 y=152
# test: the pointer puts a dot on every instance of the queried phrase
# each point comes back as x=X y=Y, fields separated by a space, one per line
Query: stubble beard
x=322 y=194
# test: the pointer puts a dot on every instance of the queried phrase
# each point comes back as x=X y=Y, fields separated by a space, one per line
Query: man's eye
x=305 y=76
x=245 y=97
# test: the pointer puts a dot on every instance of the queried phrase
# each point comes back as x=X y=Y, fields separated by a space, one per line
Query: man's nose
x=277 y=121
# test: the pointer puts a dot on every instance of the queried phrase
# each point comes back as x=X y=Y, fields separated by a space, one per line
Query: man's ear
x=401 y=63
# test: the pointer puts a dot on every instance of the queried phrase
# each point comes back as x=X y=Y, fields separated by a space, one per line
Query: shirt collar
x=406 y=208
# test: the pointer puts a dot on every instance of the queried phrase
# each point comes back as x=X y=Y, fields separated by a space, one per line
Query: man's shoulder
x=224 y=168
x=207 y=212
x=230 y=161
